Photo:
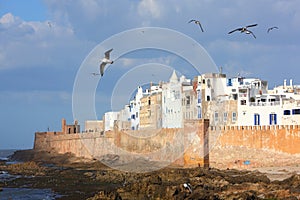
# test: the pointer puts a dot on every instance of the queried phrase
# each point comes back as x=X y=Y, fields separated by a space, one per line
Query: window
x=243 y=102
x=199 y=97
x=149 y=101
x=216 y=116
x=225 y=116
x=208 y=98
x=235 y=96
x=132 y=116
x=136 y=114
x=286 y=112
x=296 y=111
x=233 y=116
x=256 y=119
x=199 y=113
x=229 y=82
x=188 y=100
x=208 y=83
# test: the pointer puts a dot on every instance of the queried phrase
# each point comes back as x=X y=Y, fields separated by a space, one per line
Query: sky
x=43 y=44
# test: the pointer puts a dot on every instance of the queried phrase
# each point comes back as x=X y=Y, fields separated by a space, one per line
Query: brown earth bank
x=77 y=178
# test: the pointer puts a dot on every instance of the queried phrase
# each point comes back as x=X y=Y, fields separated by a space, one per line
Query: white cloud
x=8 y=19
x=35 y=44
x=150 y=8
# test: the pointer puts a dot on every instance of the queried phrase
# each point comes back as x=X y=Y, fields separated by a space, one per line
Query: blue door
x=256 y=119
x=273 y=119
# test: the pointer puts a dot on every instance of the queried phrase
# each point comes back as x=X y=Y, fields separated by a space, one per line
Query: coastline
x=78 y=178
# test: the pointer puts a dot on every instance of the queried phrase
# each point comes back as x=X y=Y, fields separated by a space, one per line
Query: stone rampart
x=184 y=147
x=285 y=139
x=191 y=146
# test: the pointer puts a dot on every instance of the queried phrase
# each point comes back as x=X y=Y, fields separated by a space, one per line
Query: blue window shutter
x=258 y=119
x=270 y=119
x=275 y=118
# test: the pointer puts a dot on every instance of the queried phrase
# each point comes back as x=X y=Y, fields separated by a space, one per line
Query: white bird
x=244 y=30
x=197 y=22
x=188 y=186
x=105 y=60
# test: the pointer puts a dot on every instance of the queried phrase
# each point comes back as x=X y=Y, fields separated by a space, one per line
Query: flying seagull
x=105 y=61
x=244 y=30
x=197 y=22
x=271 y=28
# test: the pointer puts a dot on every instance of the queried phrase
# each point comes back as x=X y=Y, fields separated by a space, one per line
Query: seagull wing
x=252 y=34
x=102 y=68
x=107 y=53
x=192 y=20
x=269 y=29
x=251 y=25
x=238 y=29
x=201 y=27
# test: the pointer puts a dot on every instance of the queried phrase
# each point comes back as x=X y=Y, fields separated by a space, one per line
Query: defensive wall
x=285 y=138
x=191 y=146
x=186 y=147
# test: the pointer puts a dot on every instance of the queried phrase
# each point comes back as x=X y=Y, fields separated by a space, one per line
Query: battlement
x=264 y=127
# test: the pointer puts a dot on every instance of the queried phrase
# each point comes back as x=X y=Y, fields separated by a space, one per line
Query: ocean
x=21 y=193
x=4 y=153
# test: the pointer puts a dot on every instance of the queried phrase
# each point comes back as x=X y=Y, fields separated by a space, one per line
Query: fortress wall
x=81 y=145
x=179 y=145
x=284 y=139
x=185 y=147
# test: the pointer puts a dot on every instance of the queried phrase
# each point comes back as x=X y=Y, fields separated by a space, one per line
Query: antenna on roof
x=221 y=69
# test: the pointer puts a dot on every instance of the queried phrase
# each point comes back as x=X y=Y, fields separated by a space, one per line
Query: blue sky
x=39 y=62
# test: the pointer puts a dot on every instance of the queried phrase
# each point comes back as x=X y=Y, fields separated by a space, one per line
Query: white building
x=124 y=118
x=134 y=108
x=172 y=116
x=254 y=104
x=109 y=119
x=189 y=99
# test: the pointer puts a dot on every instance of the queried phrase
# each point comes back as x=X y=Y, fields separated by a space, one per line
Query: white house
x=172 y=116
x=109 y=119
x=134 y=108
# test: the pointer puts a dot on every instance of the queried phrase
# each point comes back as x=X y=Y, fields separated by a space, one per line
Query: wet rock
x=81 y=180
x=27 y=168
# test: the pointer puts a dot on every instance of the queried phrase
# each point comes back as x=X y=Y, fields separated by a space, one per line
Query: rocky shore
x=76 y=178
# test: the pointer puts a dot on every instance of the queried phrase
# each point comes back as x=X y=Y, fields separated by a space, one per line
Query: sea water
x=21 y=193
x=5 y=153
